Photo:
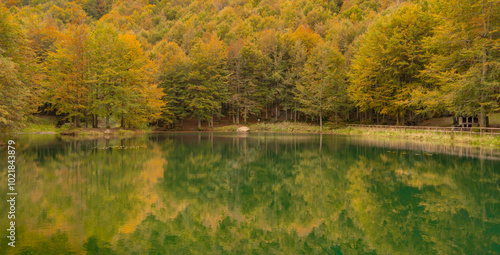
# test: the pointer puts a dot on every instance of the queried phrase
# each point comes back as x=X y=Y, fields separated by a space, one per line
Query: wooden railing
x=452 y=130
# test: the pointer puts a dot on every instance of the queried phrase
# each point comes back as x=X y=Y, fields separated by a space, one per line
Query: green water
x=251 y=194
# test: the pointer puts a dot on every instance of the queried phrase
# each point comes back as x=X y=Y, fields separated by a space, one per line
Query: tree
x=269 y=44
x=299 y=45
x=18 y=74
x=140 y=100
x=172 y=76
x=121 y=79
x=322 y=90
x=386 y=70
x=464 y=57
x=68 y=71
x=207 y=88
x=247 y=79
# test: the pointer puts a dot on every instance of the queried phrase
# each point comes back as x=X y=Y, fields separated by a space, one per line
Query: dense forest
x=149 y=62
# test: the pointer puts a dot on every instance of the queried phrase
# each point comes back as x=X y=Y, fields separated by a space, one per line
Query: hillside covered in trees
x=139 y=62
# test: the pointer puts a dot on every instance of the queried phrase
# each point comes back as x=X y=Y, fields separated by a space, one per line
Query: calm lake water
x=202 y=193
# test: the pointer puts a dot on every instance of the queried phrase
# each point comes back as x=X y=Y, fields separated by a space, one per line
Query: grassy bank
x=47 y=125
x=422 y=135
x=98 y=132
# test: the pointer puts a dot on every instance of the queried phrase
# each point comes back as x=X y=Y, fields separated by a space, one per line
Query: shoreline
x=388 y=133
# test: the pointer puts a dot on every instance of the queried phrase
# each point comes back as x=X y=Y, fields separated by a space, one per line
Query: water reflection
x=254 y=193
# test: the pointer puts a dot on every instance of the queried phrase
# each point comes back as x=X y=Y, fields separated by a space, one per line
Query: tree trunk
x=199 y=123
x=107 y=116
x=482 y=117
x=266 y=112
x=482 y=113
x=295 y=112
x=122 y=122
x=276 y=116
x=245 y=116
x=397 y=118
x=238 y=116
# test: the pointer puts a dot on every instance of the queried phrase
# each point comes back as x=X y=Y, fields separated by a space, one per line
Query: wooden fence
x=452 y=130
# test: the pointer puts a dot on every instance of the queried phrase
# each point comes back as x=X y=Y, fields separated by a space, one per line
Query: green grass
x=230 y=128
x=285 y=127
x=40 y=124
x=83 y=132
x=417 y=135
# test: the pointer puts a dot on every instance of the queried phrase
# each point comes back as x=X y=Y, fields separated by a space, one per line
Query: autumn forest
x=138 y=63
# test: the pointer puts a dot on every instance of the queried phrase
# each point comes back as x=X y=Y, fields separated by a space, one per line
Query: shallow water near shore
x=259 y=193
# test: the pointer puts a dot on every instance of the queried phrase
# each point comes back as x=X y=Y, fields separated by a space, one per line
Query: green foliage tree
x=322 y=90
x=18 y=74
x=386 y=70
x=247 y=81
x=67 y=68
x=172 y=77
x=120 y=79
x=464 y=57
x=405 y=59
x=207 y=85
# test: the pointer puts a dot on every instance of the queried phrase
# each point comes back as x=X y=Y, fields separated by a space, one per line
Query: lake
x=262 y=193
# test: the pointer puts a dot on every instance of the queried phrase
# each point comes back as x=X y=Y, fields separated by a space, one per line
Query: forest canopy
x=142 y=62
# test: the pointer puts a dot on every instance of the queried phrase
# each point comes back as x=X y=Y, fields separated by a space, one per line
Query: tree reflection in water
x=257 y=193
